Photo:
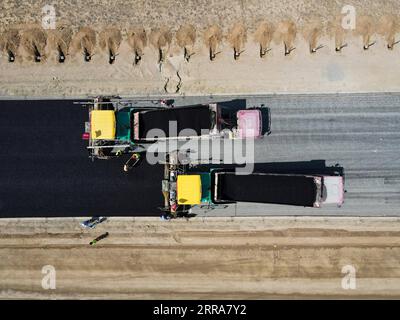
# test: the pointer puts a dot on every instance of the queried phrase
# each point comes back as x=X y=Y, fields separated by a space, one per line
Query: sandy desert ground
x=201 y=258
x=172 y=25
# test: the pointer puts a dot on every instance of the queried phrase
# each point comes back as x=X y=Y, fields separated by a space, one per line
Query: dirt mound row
x=36 y=44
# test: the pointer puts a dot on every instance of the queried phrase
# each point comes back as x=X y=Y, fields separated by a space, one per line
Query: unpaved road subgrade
x=201 y=258
x=316 y=22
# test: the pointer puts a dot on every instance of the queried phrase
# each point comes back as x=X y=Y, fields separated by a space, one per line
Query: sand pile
x=9 y=43
x=312 y=31
x=137 y=40
x=366 y=28
x=285 y=33
x=263 y=36
x=388 y=27
x=33 y=44
x=336 y=31
x=59 y=40
x=109 y=41
x=186 y=38
x=84 y=42
x=237 y=38
x=161 y=39
x=212 y=40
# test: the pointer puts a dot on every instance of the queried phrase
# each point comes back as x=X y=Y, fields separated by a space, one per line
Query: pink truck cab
x=332 y=190
x=249 y=124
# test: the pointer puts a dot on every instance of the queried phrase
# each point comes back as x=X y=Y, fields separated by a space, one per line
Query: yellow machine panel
x=102 y=125
x=189 y=189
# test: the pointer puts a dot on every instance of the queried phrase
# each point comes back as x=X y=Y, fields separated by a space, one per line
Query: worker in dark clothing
x=165 y=216
x=94 y=241
x=167 y=103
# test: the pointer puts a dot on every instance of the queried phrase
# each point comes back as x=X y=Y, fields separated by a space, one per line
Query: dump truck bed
x=266 y=188
x=196 y=118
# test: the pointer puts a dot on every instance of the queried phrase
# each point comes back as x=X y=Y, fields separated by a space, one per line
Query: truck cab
x=333 y=190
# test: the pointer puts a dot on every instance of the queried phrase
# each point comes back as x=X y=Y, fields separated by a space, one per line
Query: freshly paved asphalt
x=45 y=171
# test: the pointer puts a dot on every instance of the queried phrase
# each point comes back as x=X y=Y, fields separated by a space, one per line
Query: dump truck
x=184 y=188
x=119 y=126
